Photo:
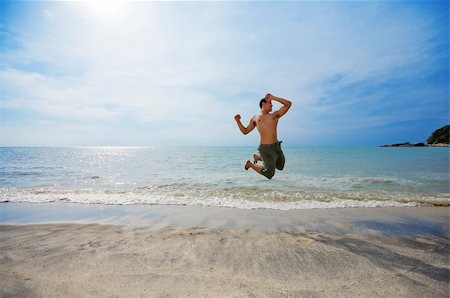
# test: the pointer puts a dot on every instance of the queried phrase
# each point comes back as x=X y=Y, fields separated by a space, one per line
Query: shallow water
x=313 y=177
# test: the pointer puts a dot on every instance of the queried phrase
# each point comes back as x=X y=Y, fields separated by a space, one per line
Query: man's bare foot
x=248 y=164
x=256 y=158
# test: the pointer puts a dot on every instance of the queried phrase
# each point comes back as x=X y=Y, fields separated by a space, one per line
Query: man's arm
x=286 y=105
x=245 y=130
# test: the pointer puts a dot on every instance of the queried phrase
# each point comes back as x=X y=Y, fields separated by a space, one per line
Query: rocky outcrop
x=439 y=136
x=407 y=144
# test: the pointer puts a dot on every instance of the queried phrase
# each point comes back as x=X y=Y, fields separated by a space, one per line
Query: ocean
x=313 y=177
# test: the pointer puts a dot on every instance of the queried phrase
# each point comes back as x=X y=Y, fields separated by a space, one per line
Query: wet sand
x=169 y=251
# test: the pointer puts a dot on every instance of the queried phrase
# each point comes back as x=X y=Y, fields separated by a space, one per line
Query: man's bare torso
x=267 y=127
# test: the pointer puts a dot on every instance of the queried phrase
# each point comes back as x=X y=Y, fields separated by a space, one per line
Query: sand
x=386 y=252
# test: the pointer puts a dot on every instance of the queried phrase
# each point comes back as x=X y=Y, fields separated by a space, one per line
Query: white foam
x=154 y=196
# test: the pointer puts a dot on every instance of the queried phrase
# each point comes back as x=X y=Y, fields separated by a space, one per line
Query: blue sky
x=175 y=73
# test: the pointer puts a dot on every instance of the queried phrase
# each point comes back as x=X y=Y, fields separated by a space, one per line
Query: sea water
x=313 y=177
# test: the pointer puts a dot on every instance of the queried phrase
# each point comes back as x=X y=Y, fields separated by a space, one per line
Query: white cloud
x=48 y=14
x=197 y=64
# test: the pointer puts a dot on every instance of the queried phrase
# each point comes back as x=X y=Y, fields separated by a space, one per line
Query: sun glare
x=108 y=11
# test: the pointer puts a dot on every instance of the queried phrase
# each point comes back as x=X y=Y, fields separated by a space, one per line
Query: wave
x=206 y=195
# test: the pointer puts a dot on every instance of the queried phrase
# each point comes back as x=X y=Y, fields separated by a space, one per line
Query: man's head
x=265 y=105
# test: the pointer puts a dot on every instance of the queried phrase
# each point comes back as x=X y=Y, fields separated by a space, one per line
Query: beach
x=224 y=149
x=180 y=251
x=157 y=222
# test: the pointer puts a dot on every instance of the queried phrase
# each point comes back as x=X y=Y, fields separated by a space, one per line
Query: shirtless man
x=269 y=148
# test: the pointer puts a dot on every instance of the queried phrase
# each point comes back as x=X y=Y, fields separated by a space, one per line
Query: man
x=269 y=148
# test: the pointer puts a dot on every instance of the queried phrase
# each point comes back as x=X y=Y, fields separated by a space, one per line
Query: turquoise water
x=313 y=177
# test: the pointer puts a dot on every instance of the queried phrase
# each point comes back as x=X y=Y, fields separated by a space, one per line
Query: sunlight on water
x=314 y=177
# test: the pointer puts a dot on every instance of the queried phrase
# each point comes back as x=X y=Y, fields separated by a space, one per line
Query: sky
x=120 y=73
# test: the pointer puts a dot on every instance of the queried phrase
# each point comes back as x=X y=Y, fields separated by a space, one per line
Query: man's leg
x=249 y=164
x=268 y=156
x=256 y=158
x=280 y=161
x=268 y=172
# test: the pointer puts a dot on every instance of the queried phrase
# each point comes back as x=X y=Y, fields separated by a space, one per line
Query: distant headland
x=439 y=138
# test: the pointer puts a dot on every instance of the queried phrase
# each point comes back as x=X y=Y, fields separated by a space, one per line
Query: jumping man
x=269 y=148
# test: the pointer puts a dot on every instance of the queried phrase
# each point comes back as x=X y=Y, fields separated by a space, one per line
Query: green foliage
x=440 y=136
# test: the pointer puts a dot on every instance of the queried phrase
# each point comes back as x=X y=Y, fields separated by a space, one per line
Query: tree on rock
x=440 y=136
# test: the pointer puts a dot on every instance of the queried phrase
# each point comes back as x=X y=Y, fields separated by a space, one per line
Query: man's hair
x=261 y=102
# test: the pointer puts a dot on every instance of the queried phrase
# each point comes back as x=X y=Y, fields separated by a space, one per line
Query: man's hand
x=286 y=104
x=269 y=97
x=242 y=128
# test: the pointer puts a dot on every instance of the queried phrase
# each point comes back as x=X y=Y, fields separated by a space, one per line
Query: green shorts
x=272 y=157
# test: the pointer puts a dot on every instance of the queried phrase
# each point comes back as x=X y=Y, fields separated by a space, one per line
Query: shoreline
x=172 y=251
x=181 y=216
